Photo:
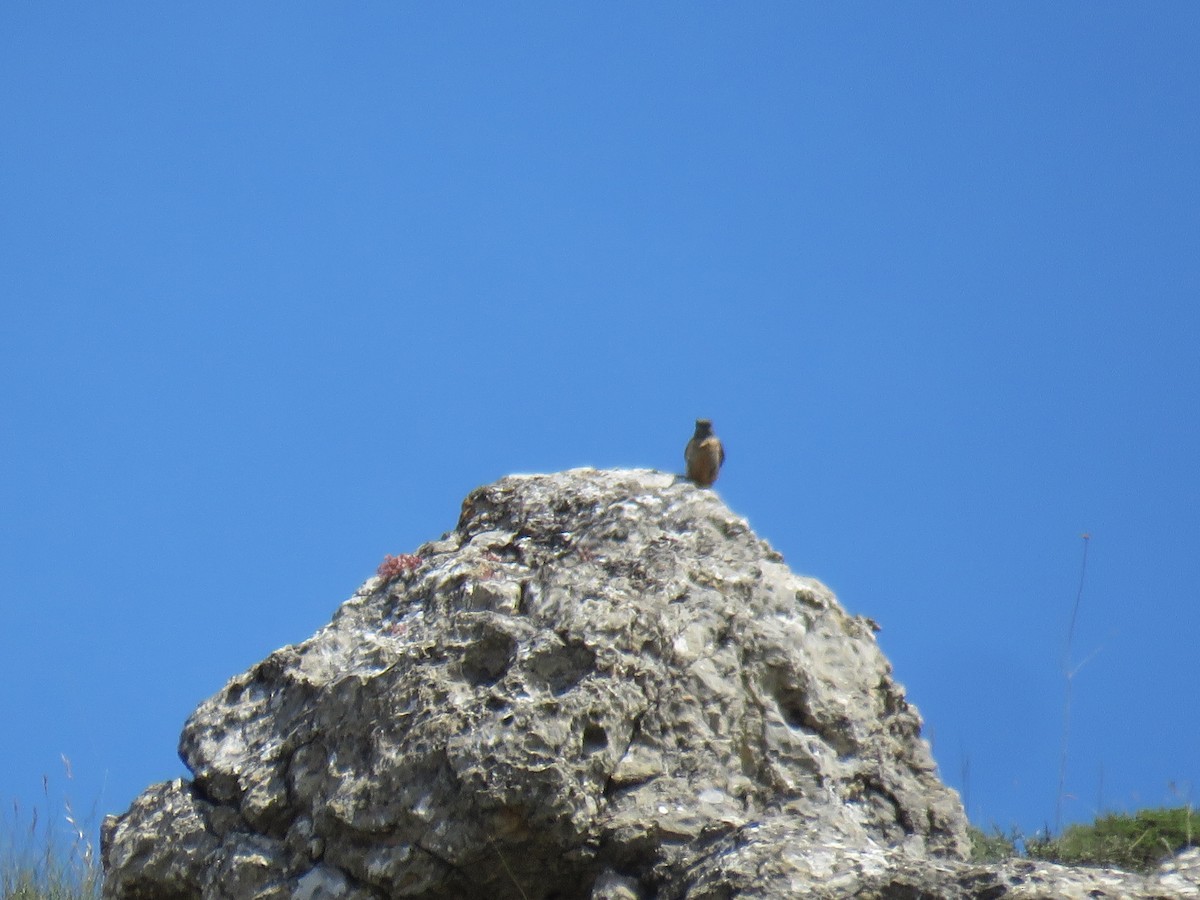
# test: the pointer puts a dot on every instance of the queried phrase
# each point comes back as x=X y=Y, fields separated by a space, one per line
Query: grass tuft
x=38 y=861
x=1135 y=843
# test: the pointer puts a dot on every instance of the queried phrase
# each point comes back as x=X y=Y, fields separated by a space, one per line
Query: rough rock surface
x=765 y=860
x=600 y=684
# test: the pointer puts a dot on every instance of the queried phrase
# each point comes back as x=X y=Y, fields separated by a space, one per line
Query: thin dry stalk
x=1069 y=674
x=511 y=876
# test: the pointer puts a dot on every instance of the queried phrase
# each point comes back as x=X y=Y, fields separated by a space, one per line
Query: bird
x=704 y=454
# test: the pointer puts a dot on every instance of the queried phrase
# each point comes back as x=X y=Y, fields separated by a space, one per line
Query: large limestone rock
x=600 y=684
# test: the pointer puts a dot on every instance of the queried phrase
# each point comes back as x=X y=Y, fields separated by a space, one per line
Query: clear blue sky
x=281 y=284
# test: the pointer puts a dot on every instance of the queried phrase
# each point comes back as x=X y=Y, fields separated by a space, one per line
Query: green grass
x=50 y=873
x=1136 y=843
x=47 y=857
x=34 y=884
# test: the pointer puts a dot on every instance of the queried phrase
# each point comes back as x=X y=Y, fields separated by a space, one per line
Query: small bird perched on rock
x=704 y=454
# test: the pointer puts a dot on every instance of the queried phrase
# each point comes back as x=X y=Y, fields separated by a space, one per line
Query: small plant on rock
x=393 y=566
x=993 y=846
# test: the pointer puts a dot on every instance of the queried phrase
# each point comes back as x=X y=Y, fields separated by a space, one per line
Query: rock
x=160 y=846
x=773 y=859
x=601 y=684
x=1181 y=873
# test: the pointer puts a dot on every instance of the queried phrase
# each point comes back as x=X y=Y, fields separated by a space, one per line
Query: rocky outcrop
x=766 y=861
x=601 y=684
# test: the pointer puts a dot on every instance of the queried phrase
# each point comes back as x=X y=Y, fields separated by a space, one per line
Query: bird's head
x=703 y=427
